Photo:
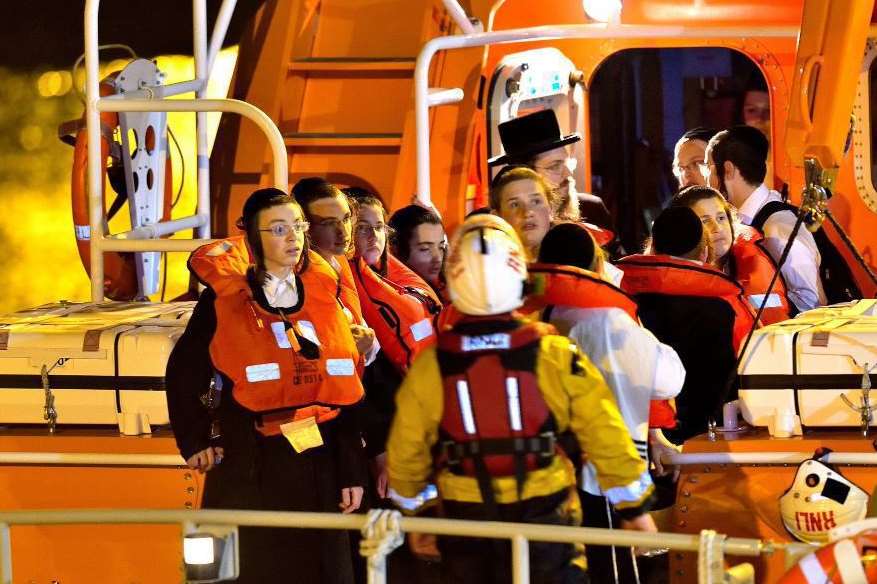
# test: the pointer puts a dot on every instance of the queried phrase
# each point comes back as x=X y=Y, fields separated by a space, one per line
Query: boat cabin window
x=641 y=101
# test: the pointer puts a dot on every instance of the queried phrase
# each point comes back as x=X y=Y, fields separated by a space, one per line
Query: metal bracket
x=50 y=414
x=866 y=409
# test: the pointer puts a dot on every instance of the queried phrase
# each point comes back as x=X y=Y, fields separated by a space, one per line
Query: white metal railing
x=680 y=459
x=710 y=546
x=422 y=96
x=91 y=459
x=153 y=100
x=754 y=458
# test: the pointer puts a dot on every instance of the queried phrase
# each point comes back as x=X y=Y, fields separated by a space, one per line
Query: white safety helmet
x=819 y=500
x=486 y=269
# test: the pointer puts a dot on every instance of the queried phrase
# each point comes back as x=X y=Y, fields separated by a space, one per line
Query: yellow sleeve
x=597 y=424
x=419 y=404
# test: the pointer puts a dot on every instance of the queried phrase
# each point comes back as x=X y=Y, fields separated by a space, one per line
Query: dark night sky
x=49 y=33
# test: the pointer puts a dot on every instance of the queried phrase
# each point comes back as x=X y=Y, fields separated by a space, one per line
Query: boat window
x=641 y=101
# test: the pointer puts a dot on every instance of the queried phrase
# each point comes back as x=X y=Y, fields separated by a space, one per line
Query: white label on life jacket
x=83 y=232
x=812 y=569
x=218 y=250
x=849 y=564
x=773 y=301
x=279 y=330
x=421 y=330
x=465 y=406
x=484 y=342
x=514 y=400
x=340 y=367
x=263 y=372
x=307 y=330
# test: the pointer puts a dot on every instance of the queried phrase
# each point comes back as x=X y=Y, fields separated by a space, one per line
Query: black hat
x=567 y=244
x=677 y=231
x=526 y=136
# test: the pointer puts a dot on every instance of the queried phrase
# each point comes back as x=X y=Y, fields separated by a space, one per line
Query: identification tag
x=302 y=434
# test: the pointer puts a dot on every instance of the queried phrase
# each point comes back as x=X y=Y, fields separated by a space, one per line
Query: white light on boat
x=198 y=549
x=210 y=553
x=603 y=10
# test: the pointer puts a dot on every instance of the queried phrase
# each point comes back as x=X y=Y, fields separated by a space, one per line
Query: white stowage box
x=804 y=365
x=104 y=359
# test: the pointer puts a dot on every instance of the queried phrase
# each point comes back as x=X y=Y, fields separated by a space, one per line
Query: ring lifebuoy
x=120 y=271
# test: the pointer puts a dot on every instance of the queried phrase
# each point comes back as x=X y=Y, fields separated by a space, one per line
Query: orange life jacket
x=840 y=562
x=348 y=294
x=557 y=285
x=754 y=270
x=399 y=307
x=295 y=364
x=664 y=274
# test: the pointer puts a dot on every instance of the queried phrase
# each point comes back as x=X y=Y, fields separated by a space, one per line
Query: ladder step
x=395 y=64
x=334 y=140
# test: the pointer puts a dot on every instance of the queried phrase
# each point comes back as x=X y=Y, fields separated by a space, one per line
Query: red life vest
x=347 y=290
x=754 y=269
x=399 y=307
x=495 y=422
x=294 y=364
x=557 y=285
x=663 y=274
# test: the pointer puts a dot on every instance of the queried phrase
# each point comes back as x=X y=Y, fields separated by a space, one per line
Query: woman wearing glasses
x=399 y=306
x=270 y=346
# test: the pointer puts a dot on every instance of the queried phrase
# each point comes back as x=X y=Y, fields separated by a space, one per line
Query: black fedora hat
x=526 y=136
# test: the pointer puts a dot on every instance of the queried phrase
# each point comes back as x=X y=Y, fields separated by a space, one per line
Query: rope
x=710 y=558
x=380 y=536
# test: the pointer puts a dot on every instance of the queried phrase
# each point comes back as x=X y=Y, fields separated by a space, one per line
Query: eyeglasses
x=693 y=166
x=366 y=229
x=333 y=223
x=283 y=229
x=556 y=167
x=704 y=168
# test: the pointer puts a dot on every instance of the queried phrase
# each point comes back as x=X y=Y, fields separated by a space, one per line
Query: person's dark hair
x=403 y=223
x=743 y=146
x=314 y=188
x=701 y=133
x=249 y=223
x=515 y=173
x=358 y=197
x=478 y=211
x=677 y=231
x=568 y=244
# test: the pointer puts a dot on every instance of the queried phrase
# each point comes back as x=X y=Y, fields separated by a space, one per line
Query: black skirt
x=265 y=473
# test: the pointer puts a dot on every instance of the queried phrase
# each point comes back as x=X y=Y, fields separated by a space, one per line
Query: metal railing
x=424 y=95
x=382 y=531
x=153 y=100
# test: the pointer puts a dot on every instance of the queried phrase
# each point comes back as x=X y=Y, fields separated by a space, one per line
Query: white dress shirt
x=280 y=293
x=801 y=269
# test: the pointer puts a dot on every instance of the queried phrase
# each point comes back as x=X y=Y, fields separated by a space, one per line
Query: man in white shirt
x=736 y=164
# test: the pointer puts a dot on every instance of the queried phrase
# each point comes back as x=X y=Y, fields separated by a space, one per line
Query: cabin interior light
x=603 y=10
x=211 y=554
